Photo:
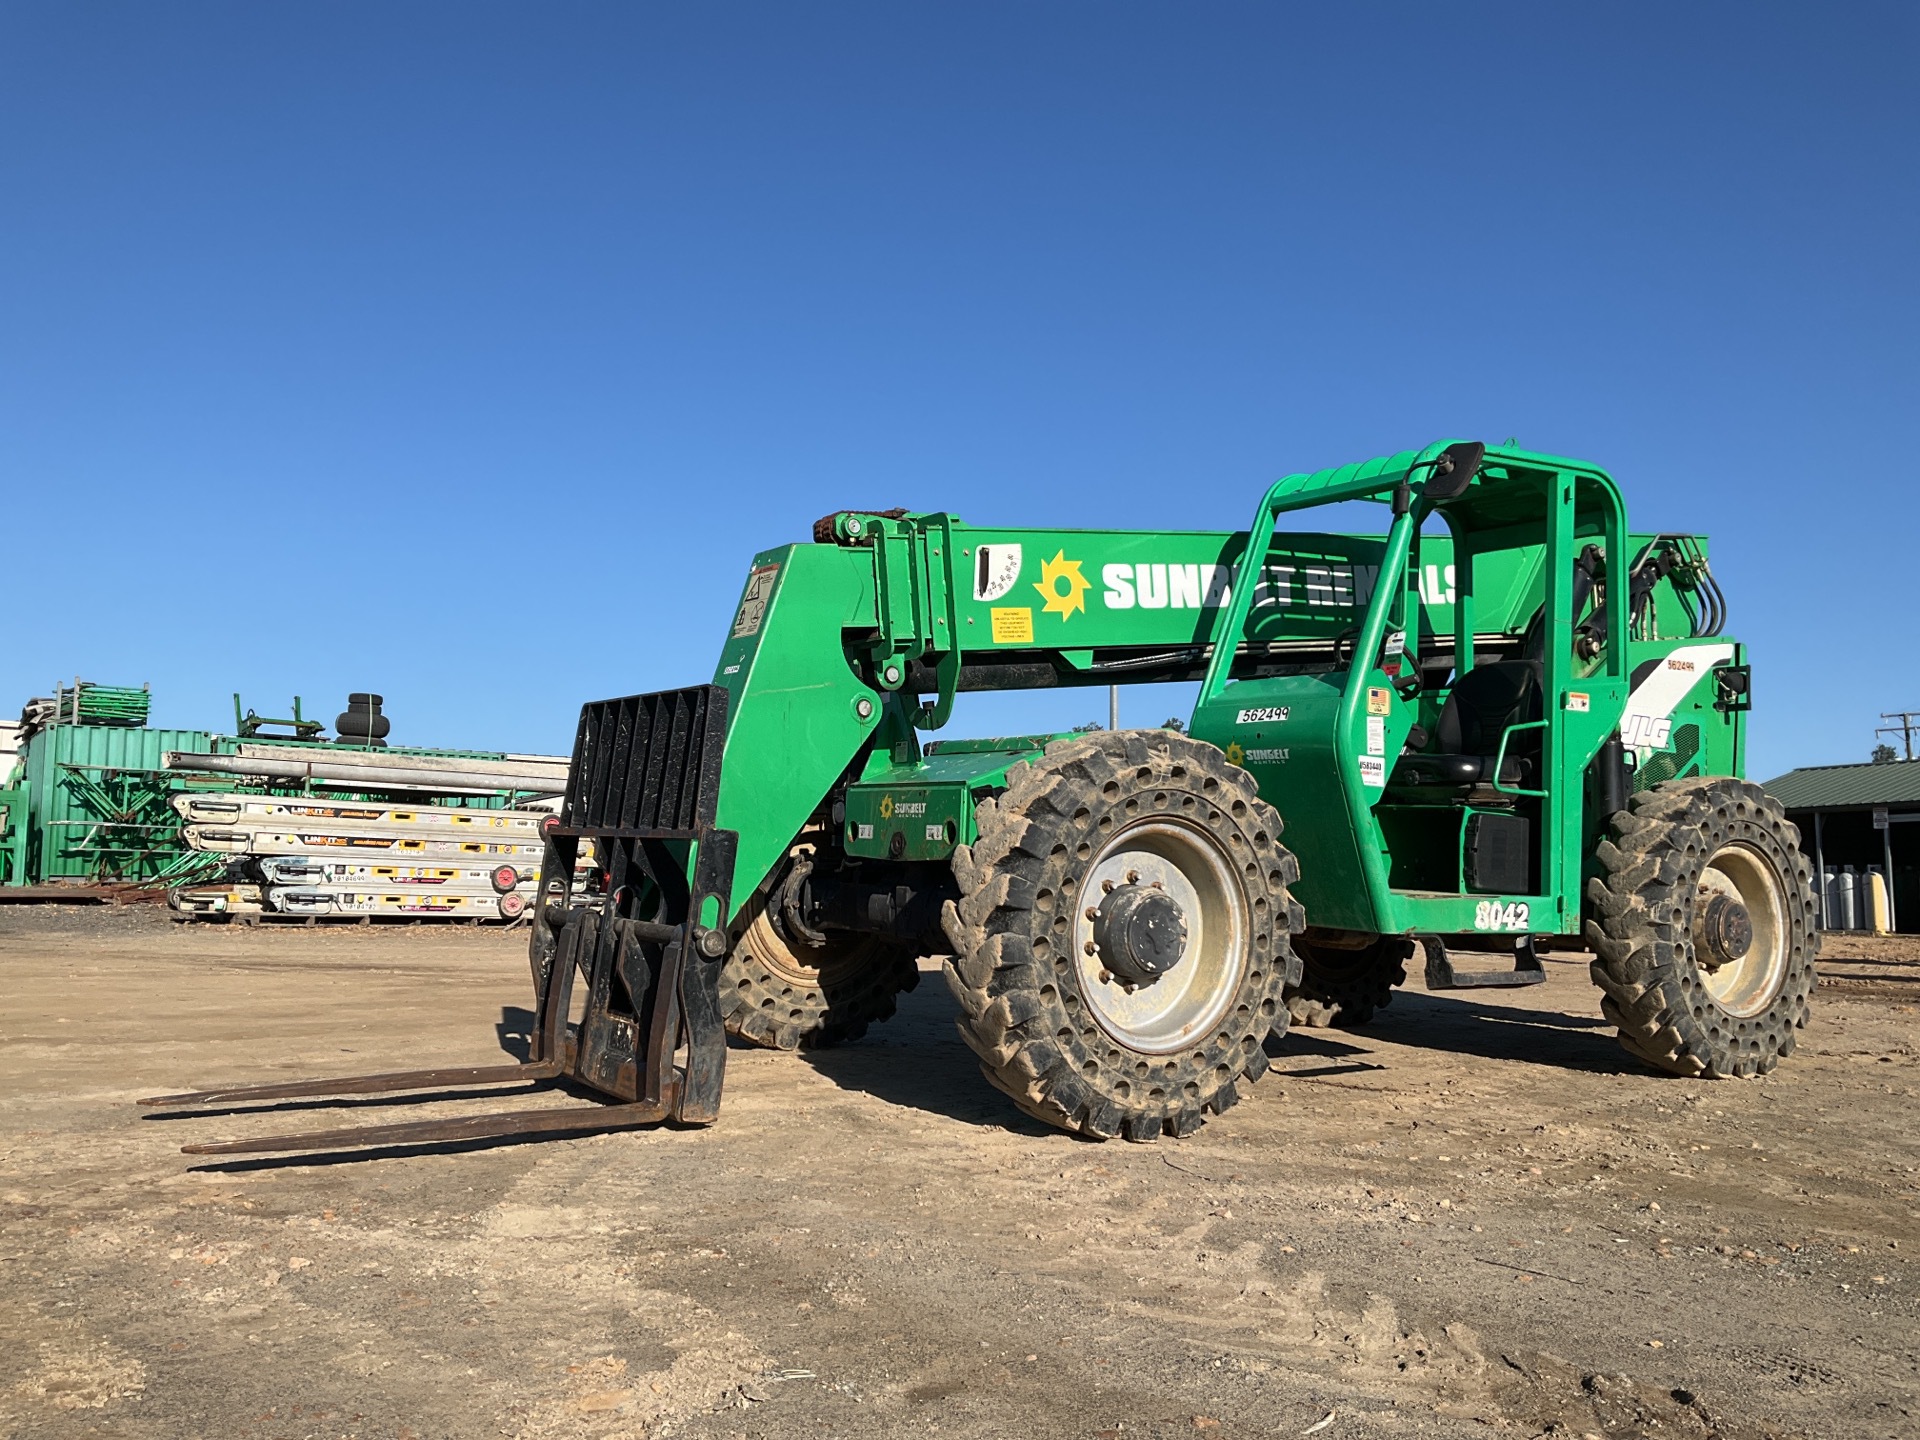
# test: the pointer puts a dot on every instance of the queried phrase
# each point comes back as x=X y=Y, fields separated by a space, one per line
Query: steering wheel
x=1407 y=685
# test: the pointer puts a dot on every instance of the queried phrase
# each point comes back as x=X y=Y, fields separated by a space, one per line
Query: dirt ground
x=1477 y=1216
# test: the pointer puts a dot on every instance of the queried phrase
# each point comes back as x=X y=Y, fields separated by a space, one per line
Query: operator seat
x=1484 y=703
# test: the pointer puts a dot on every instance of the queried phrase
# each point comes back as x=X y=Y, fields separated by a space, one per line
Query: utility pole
x=1909 y=722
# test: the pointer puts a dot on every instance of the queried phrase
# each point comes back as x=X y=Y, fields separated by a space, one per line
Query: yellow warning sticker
x=1012 y=625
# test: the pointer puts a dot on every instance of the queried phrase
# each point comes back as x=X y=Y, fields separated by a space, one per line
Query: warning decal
x=753 y=604
x=1012 y=625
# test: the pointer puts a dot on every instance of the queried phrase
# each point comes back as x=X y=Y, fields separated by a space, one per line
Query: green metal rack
x=13 y=836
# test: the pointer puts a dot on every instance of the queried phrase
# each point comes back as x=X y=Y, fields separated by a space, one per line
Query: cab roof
x=1510 y=487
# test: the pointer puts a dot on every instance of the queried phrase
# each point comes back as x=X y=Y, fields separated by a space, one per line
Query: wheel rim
x=1171 y=1012
x=805 y=967
x=1747 y=985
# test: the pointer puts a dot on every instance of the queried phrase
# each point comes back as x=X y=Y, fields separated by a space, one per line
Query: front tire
x=1122 y=944
x=1702 y=924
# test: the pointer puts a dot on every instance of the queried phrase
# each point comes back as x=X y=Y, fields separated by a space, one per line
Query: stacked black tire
x=361 y=723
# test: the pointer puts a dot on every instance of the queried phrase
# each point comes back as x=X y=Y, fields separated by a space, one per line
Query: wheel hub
x=1139 y=932
x=1723 y=932
x=1740 y=930
x=1187 y=949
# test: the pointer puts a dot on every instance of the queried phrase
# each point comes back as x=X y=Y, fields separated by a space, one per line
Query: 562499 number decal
x=1492 y=915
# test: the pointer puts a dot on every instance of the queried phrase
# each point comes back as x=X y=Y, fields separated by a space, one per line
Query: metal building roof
x=1832 y=787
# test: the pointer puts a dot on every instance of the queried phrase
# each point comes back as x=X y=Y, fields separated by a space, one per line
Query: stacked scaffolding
x=85 y=703
x=324 y=853
x=294 y=856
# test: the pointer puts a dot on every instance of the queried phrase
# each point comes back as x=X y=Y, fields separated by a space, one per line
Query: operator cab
x=1433 y=778
x=1469 y=805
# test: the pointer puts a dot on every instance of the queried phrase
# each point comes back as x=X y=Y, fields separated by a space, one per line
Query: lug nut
x=1106 y=977
x=1089 y=947
x=1092 y=914
x=1133 y=877
x=1106 y=887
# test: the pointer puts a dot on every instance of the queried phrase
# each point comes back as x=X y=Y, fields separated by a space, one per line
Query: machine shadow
x=1490 y=1030
x=330 y=1159
x=917 y=1061
x=294 y=1106
x=515 y=1031
x=1341 y=1057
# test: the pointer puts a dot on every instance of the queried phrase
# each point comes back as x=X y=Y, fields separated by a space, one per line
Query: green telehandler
x=1507 y=720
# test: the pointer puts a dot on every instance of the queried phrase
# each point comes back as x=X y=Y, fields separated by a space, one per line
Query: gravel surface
x=1478 y=1215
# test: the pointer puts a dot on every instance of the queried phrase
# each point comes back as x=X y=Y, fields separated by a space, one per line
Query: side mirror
x=1735 y=686
x=1457 y=465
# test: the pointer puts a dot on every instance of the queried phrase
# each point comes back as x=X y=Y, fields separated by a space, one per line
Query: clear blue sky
x=466 y=352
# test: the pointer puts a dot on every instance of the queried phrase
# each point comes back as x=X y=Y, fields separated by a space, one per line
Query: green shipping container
x=100 y=803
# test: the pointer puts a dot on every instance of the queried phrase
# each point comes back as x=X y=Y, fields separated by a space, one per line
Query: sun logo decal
x=1052 y=573
x=886 y=807
x=1235 y=754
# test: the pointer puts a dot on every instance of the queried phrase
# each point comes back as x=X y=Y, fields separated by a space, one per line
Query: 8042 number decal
x=1492 y=915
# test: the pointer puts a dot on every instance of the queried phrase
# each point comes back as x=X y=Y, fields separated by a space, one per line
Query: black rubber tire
x=781 y=993
x=365 y=700
x=1640 y=924
x=1344 y=988
x=358 y=724
x=1023 y=1012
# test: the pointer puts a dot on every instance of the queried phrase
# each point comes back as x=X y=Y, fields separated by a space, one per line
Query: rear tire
x=1344 y=988
x=1112 y=825
x=1686 y=864
x=784 y=993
